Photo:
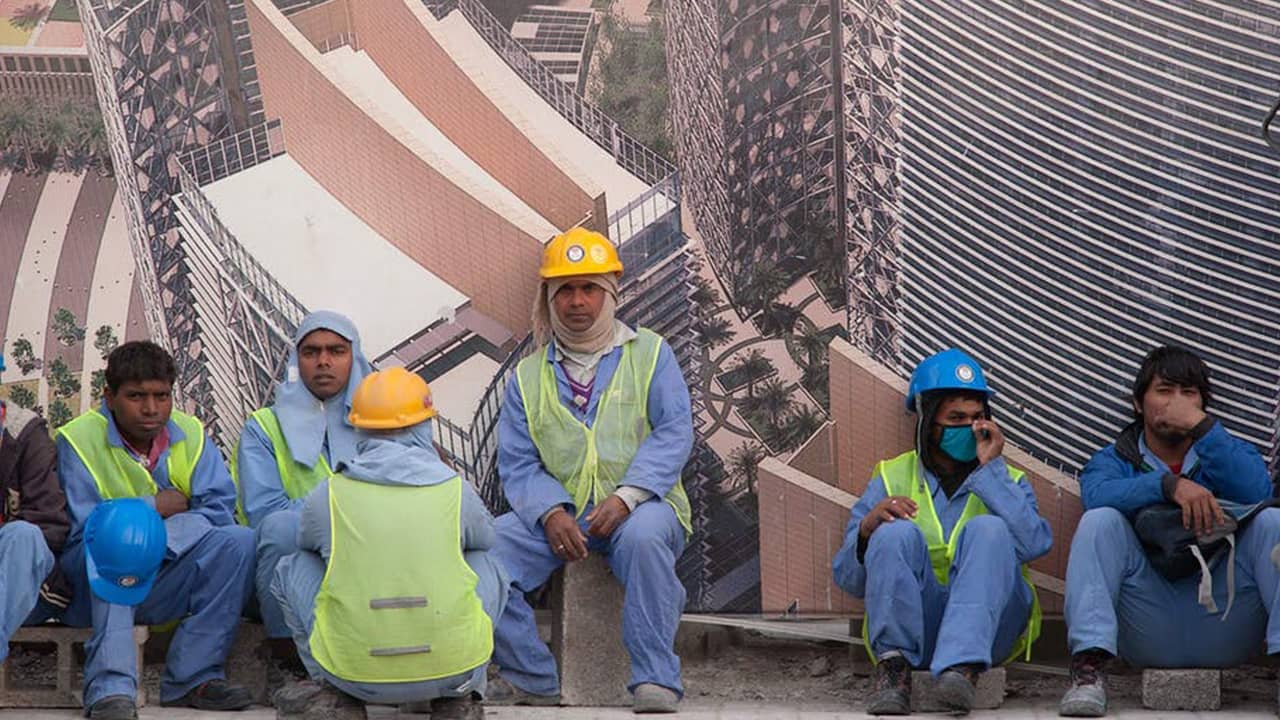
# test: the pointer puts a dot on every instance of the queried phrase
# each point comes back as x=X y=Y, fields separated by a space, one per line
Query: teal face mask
x=959 y=442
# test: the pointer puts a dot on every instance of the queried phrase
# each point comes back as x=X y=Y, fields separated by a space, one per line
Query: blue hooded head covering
x=307 y=423
x=400 y=457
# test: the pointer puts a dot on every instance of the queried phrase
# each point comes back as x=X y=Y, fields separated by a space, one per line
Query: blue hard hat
x=950 y=369
x=124 y=542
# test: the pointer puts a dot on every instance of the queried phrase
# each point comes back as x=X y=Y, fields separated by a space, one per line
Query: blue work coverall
x=205 y=579
x=642 y=551
x=1118 y=603
x=979 y=614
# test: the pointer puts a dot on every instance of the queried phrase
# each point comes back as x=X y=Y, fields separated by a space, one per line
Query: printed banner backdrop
x=809 y=197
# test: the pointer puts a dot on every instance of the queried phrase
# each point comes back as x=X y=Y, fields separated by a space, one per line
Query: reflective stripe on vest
x=901 y=476
x=296 y=479
x=115 y=471
x=385 y=614
x=591 y=461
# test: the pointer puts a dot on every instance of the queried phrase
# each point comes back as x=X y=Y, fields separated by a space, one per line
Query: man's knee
x=1267 y=522
x=987 y=530
x=1100 y=522
x=651 y=527
x=233 y=542
x=897 y=537
x=21 y=539
x=278 y=530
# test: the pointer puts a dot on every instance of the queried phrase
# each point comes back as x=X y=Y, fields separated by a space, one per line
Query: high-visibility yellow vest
x=116 y=472
x=591 y=461
x=296 y=479
x=901 y=476
x=398 y=602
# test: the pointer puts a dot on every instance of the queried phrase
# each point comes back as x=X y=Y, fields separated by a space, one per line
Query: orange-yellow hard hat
x=579 y=251
x=391 y=399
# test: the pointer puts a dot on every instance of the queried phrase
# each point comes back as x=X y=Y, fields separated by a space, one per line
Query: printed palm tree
x=743 y=463
x=755 y=366
x=714 y=332
x=772 y=401
x=812 y=342
x=800 y=425
x=28 y=16
x=778 y=318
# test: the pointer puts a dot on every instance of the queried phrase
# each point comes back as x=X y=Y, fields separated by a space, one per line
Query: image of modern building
x=1056 y=188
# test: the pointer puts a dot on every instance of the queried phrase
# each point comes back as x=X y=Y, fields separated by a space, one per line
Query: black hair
x=1177 y=365
x=139 y=361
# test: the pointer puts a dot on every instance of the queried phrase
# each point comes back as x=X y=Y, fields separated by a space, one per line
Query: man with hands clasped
x=595 y=430
x=1116 y=601
x=937 y=546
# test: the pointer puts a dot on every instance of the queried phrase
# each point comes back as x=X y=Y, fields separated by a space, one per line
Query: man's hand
x=170 y=502
x=1200 y=509
x=887 y=510
x=1182 y=414
x=564 y=537
x=990 y=440
x=607 y=516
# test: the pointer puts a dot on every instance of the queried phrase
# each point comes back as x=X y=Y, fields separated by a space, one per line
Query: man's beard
x=1168 y=435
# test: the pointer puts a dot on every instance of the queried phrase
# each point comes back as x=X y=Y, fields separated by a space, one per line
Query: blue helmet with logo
x=124 y=542
x=950 y=369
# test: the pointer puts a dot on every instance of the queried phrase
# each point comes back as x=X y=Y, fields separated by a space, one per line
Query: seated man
x=594 y=433
x=392 y=597
x=286 y=449
x=1116 y=602
x=33 y=523
x=135 y=445
x=938 y=544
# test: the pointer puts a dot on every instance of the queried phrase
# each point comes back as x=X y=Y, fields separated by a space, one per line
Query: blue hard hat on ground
x=950 y=369
x=124 y=542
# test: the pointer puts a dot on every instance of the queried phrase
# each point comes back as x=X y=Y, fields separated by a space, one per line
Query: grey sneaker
x=955 y=689
x=298 y=697
x=502 y=692
x=892 y=692
x=1087 y=696
x=652 y=699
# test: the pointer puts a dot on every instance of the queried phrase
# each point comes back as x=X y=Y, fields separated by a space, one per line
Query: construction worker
x=392 y=597
x=33 y=523
x=135 y=445
x=938 y=545
x=1116 y=602
x=594 y=432
x=285 y=450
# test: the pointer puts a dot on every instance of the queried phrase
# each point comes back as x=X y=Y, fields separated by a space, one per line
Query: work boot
x=652 y=699
x=214 y=695
x=955 y=689
x=114 y=707
x=283 y=666
x=502 y=692
x=892 y=692
x=456 y=708
x=298 y=697
x=1087 y=696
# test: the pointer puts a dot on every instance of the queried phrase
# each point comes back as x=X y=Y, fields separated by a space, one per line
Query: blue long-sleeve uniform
x=1115 y=600
x=532 y=491
x=642 y=552
x=261 y=489
x=205 y=577
x=979 y=615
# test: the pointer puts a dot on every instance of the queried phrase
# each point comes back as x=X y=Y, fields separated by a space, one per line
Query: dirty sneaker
x=650 y=698
x=955 y=690
x=892 y=692
x=1087 y=696
x=214 y=695
x=297 y=697
x=502 y=692
x=114 y=707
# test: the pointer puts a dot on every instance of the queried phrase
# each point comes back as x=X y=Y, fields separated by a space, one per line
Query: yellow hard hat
x=390 y=399
x=579 y=251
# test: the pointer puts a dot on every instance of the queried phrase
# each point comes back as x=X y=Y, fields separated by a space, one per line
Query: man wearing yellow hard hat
x=392 y=596
x=594 y=433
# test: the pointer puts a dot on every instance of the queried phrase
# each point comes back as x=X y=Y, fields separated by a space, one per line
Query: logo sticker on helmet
x=964 y=373
x=599 y=254
x=128 y=580
x=575 y=253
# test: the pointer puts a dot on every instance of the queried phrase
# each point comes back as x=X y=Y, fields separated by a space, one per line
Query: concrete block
x=989 y=695
x=586 y=635
x=68 y=677
x=1183 y=689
